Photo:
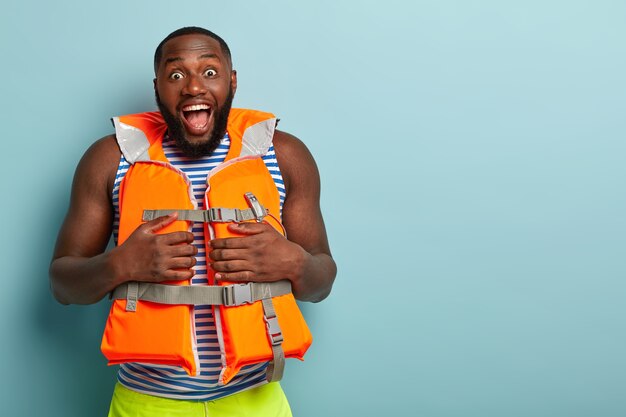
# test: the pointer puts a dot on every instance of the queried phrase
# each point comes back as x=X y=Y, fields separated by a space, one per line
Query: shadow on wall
x=55 y=366
x=74 y=377
x=70 y=340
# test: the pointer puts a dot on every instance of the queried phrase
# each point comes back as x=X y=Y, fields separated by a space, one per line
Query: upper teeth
x=195 y=107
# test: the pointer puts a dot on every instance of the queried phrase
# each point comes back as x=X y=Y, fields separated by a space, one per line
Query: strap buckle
x=223 y=215
x=273 y=330
x=255 y=206
x=210 y=214
x=237 y=294
x=215 y=215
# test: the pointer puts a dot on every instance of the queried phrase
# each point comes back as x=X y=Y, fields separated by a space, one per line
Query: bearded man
x=194 y=86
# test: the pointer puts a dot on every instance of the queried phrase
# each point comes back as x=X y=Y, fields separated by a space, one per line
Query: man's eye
x=210 y=73
x=176 y=76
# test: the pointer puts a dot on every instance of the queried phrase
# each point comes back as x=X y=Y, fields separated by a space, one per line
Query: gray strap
x=228 y=295
x=212 y=215
x=256 y=211
x=276 y=366
x=131 y=296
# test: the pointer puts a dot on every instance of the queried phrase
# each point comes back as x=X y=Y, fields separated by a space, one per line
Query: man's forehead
x=192 y=44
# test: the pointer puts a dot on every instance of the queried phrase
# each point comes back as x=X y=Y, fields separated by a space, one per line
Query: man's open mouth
x=196 y=117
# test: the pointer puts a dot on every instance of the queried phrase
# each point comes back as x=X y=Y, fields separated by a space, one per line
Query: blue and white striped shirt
x=171 y=381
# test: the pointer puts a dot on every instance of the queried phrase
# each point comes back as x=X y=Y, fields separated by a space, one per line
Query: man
x=194 y=86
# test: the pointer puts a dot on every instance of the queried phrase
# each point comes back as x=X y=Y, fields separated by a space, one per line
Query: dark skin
x=193 y=70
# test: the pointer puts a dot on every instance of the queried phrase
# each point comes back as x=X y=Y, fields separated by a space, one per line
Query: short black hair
x=190 y=30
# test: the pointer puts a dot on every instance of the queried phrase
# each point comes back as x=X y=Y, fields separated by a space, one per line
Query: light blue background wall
x=472 y=159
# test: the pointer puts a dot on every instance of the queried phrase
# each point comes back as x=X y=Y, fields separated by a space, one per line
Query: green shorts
x=265 y=401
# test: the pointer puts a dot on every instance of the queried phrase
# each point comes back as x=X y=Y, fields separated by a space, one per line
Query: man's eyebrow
x=174 y=59
x=177 y=58
x=209 y=56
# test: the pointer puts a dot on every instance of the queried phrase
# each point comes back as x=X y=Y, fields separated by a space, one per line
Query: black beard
x=177 y=130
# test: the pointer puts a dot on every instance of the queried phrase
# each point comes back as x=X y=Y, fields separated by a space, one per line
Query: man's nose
x=194 y=86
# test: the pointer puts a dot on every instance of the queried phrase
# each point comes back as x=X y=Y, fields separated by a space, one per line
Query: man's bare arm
x=265 y=255
x=302 y=218
x=80 y=271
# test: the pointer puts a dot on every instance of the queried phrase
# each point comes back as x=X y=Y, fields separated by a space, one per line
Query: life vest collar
x=139 y=134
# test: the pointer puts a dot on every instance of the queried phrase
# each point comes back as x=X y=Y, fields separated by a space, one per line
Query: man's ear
x=233 y=81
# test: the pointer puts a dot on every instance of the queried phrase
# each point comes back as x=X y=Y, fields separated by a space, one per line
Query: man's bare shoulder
x=105 y=148
x=294 y=159
x=100 y=161
x=288 y=144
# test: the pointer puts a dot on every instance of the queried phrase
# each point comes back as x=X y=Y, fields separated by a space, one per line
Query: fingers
x=231 y=266
x=179 y=257
x=178 y=275
x=253 y=232
x=229 y=243
x=227 y=254
x=182 y=262
x=235 y=242
x=159 y=223
x=183 y=250
x=176 y=238
x=243 y=276
x=175 y=268
x=249 y=228
x=231 y=258
x=172 y=238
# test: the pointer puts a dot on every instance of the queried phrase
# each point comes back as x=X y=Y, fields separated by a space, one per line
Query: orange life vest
x=253 y=324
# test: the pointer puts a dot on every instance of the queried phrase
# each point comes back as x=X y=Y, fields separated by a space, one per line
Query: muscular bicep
x=87 y=226
x=302 y=216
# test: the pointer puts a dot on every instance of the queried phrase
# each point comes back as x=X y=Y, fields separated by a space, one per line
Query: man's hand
x=261 y=254
x=148 y=256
